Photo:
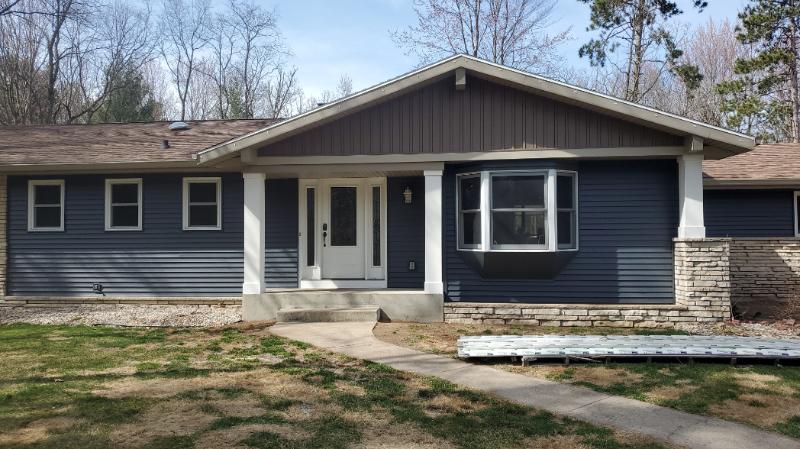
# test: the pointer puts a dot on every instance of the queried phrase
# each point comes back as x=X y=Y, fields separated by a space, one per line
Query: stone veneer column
x=703 y=278
x=3 y=230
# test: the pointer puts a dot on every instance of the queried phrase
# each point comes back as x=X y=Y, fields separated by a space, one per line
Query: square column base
x=252 y=288
x=692 y=232
x=435 y=288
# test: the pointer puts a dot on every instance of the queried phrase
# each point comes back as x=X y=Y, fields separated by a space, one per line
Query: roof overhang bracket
x=693 y=144
x=461 y=78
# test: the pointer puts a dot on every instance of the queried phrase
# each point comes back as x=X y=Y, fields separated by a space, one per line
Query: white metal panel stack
x=592 y=346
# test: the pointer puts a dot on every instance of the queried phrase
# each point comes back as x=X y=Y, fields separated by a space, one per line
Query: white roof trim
x=565 y=92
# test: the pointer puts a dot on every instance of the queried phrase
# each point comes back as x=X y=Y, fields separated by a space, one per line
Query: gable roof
x=115 y=143
x=729 y=141
x=767 y=164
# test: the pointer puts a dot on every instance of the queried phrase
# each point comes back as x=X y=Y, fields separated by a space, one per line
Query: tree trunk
x=794 y=82
x=635 y=70
x=476 y=38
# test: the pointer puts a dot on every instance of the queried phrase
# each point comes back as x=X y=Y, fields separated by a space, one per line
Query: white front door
x=343 y=230
x=342 y=237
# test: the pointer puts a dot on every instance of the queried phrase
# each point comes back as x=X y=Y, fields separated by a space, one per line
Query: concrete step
x=329 y=315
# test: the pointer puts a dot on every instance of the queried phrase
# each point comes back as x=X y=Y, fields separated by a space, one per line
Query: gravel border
x=124 y=315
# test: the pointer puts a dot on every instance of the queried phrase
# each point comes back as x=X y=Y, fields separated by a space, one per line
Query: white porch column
x=690 y=191
x=254 y=246
x=433 y=231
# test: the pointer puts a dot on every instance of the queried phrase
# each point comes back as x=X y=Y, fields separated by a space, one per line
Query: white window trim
x=202 y=180
x=118 y=181
x=576 y=226
x=459 y=212
x=545 y=209
x=551 y=212
x=796 y=224
x=31 y=196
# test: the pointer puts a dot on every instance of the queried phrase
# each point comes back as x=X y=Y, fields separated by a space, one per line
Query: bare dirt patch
x=170 y=418
x=758 y=409
x=36 y=431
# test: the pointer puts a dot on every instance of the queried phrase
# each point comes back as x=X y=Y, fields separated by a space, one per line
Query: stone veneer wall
x=702 y=294
x=765 y=277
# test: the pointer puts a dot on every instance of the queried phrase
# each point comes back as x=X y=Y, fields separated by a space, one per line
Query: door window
x=343 y=216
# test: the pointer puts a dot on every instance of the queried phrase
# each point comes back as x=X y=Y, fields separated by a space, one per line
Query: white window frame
x=545 y=209
x=202 y=180
x=574 y=208
x=796 y=223
x=110 y=182
x=31 y=206
x=550 y=210
x=460 y=212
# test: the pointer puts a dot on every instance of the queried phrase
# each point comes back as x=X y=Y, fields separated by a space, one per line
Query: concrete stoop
x=330 y=315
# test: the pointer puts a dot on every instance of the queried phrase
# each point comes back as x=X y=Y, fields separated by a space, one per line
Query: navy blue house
x=461 y=182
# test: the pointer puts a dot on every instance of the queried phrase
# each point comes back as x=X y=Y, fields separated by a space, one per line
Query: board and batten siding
x=160 y=260
x=487 y=116
x=628 y=216
x=749 y=213
x=281 y=234
x=405 y=232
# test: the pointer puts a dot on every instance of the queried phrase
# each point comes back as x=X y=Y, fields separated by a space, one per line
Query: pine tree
x=638 y=27
x=764 y=99
x=132 y=102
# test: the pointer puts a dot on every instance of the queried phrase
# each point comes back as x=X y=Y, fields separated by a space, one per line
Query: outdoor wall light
x=408 y=195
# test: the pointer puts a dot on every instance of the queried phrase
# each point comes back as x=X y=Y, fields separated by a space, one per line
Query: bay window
x=532 y=210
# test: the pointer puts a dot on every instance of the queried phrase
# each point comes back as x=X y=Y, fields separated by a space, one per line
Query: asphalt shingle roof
x=115 y=142
x=767 y=162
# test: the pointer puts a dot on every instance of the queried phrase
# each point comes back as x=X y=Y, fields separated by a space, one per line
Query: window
x=46 y=205
x=517 y=210
x=566 y=200
x=797 y=214
x=376 y=226
x=124 y=204
x=311 y=231
x=469 y=216
x=202 y=204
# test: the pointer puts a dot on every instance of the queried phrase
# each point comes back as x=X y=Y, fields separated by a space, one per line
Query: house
x=463 y=191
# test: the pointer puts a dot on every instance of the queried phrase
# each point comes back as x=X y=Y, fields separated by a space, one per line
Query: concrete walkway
x=664 y=424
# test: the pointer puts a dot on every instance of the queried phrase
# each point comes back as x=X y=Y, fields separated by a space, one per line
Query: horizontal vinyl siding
x=281 y=233
x=485 y=117
x=160 y=260
x=627 y=219
x=749 y=213
x=405 y=233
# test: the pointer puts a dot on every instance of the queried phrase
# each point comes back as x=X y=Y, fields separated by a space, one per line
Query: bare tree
x=184 y=33
x=223 y=47
x=345 y=86
x=508 y=32
x=282 y=92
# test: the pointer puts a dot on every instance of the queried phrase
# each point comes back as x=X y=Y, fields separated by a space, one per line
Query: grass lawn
x=241 y=387
x=764 y=396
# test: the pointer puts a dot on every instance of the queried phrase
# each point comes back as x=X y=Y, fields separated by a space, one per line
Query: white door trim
x=311 y=276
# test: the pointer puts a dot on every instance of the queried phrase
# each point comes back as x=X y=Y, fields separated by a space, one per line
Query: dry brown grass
x=758 y=409
x=169 y=418
x=36 y=431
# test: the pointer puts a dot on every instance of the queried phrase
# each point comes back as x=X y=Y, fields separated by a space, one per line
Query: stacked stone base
x=573 y=315
x=702 y=295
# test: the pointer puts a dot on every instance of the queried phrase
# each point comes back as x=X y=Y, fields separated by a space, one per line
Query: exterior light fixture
x=408 y=195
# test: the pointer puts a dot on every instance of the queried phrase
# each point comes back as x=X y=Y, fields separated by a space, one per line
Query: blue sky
x=333 y=37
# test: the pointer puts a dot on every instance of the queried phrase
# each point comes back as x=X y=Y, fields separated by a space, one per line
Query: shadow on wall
x=765 y=278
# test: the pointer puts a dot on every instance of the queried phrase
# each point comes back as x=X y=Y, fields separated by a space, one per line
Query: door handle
x=324 y=233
